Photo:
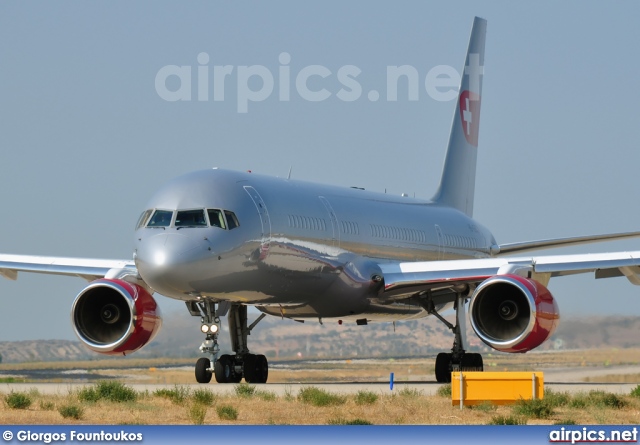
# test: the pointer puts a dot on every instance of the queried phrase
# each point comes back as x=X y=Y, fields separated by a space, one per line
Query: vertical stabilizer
x=458 y=182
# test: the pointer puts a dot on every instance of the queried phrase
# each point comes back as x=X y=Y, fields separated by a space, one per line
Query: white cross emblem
x=466 y=115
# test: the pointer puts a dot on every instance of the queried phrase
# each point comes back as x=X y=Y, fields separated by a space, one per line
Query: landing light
x=209 y=329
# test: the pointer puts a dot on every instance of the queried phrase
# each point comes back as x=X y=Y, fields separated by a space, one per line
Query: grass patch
x=565 y=422
x=88 y=394
x=507 y=420
x=108 y=390
x=410 y=393
x=557 y=399
x=227 y=412
x=18 y=400
x=197 y=413
x=116 y=391
x=603 y=399
x=444 y=391
x=47 y=406
x=177 y=395
x=319 y=397
x=537 y=408
x=245 y=390
x=598 y=399
x=71 y=411
x=485 y=407
x=203 y=396
x=267 y=396
x=288 y=394
x=356 y=421
x=366 y=398
x=579 y=401
x=635 y=392
x=11 y=380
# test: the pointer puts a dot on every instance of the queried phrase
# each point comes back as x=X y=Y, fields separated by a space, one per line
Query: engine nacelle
x=513 y=314
x=115 y=317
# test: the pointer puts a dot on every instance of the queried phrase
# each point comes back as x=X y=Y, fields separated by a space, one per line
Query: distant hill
x=282 y=339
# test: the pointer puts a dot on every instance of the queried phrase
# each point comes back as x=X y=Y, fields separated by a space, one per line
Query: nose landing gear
x=227 y=368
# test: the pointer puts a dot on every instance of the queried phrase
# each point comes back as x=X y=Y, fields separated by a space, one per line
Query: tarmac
x=569 y=380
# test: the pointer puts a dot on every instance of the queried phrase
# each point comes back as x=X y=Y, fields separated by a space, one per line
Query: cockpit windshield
x=191 y=218
x=160 y=218
x=142 y=221
x=231 y=220
x=216 y=218
x=223 y=219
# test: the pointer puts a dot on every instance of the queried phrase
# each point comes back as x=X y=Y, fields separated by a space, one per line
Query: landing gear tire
x=236 y=378
x=468 y=362
x=203 y=375
x=256 y=368
x=249 y=368
x=472 y=362
x=223 y=369
x=443 y=367
x=262 y=369
x=476 y=362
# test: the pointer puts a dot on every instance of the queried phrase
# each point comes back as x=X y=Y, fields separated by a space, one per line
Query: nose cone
x=167 y=262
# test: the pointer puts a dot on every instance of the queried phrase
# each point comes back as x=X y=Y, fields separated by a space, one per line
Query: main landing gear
x=458 y=359
x=227 y=368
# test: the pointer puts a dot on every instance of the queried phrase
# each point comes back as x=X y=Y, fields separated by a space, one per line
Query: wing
x=89 y=269
x=404 y=280
x=511 y=248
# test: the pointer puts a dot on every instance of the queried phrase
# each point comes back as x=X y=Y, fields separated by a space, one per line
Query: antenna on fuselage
x=289 y=175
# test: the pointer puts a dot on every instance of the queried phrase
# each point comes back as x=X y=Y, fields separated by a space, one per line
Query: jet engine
x=115 y=317
x=513 y=314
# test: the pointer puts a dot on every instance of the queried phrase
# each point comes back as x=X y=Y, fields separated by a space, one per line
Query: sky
x=88 y=132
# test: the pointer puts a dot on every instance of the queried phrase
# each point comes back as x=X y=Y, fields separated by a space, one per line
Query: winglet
x=457 y=186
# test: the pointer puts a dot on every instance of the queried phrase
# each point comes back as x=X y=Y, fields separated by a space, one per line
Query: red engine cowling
x=513 y=314
x=115 y=317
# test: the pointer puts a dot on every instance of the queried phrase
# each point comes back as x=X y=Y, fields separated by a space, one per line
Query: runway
x=569 y=380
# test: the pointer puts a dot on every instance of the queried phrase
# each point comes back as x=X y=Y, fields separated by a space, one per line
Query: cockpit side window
x=160 y=218
x=191 y=218
x=216 y=218
x=144 y=218
x=232 y=221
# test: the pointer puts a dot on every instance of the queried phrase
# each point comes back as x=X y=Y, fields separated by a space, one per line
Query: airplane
x=223 y=240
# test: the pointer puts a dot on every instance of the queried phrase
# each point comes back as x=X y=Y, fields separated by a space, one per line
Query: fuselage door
x=334 y=221
x=264 y=216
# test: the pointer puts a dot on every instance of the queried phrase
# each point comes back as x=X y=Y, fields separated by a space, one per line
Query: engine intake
x=115 y=317
x=513 y=314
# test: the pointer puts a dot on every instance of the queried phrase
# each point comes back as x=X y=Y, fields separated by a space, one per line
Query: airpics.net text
x=312 y=83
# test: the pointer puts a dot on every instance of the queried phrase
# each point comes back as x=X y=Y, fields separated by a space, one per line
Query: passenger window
x=143 y=218
x=160 y=218
x=216 y=218
x=191 y=218
x=232 y=221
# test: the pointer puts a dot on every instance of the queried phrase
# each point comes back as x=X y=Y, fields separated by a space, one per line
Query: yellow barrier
x=499 y=388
